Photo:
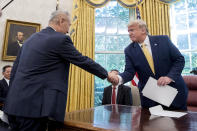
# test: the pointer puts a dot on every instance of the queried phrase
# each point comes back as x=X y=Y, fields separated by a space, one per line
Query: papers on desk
x=161 y=94
x=158 y=111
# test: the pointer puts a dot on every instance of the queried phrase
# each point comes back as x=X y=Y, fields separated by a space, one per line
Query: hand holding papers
x=158 y=110
x=161 y=94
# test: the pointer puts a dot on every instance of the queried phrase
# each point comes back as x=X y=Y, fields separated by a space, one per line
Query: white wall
x=37 y=11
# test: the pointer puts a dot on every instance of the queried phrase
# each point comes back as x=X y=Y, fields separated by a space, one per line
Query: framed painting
x=16 y=33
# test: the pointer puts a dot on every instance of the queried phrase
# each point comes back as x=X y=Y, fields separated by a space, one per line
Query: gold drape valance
x=124 y=3
x=168 y=1
x=130 y=3
x=97 y=3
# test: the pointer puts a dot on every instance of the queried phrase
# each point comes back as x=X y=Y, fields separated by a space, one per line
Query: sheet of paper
x=161 y=94
x=158 y=111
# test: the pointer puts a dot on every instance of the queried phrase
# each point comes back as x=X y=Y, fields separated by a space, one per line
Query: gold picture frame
x=16 y=33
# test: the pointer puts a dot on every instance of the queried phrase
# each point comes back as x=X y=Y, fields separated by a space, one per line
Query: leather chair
x=191 y=82
x=135 y=95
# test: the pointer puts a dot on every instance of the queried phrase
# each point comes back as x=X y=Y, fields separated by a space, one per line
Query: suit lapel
x=110 y=94
x=154 y=48
x=119 y=94
x=5 y=83
x=5 y=86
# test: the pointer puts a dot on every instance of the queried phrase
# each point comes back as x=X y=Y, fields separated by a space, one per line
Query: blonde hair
x=140 y=23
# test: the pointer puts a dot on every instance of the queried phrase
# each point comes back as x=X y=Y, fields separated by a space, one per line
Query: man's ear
x=59 y=22
x=144 y=30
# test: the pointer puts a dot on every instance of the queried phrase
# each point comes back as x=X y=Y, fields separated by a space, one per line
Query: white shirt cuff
x=120 y=80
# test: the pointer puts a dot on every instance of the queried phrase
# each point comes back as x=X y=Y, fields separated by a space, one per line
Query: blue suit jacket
x=3 y=90
x=168 y=61
x=39 y=78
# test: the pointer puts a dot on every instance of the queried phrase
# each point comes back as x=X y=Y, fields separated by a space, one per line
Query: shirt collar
x=115 y=86
x=7 y=80
x=146 y=41
x=52 y=28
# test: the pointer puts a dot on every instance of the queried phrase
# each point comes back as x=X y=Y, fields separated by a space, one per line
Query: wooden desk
x=126 y=118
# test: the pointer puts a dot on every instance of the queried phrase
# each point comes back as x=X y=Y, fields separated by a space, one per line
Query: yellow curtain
x=156 y=15
x=81 y=83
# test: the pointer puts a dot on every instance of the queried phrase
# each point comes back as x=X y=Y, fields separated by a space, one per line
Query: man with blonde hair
x=157 y=57
x=39 y=79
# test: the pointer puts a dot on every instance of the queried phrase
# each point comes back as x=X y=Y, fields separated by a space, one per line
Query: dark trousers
x=32 y=124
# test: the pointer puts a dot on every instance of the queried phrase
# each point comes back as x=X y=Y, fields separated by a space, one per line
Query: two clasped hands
x=162 y=81
x=113 y=78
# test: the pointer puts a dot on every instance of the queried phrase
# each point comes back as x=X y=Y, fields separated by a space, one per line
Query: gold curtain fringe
x=124 y=3
x=97 y=3
x=75 y=16
x=129 y=3
x=168 y=1
x=73 y=27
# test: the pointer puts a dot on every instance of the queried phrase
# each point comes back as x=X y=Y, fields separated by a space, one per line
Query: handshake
x=113 y=77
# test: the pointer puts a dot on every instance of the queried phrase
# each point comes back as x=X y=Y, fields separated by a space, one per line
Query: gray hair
x=56 y=14
x=140 y=23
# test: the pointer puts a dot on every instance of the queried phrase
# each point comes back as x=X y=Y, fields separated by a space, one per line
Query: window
x=111 y=37
x=184 y=31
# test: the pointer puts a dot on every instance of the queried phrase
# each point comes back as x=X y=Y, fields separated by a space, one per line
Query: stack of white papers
x=158 y=111
x=161 y=94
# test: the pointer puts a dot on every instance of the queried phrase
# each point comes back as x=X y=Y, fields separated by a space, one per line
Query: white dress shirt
x=7 y=81
x=147 y=44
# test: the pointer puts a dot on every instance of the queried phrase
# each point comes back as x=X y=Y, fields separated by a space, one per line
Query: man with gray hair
x=39 y=79
x=153 y=56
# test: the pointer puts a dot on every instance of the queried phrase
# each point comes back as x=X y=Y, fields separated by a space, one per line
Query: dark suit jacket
x=124 y=96
x=3 y=90
x=39 y=77
x=13 y=49
x=168 y=61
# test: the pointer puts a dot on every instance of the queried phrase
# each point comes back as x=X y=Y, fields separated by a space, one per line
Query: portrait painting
x=16 y=33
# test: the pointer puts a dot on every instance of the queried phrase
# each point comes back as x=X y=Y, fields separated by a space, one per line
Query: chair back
x=191 y=82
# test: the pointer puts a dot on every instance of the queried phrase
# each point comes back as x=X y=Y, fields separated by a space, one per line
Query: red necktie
x=114 y=95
